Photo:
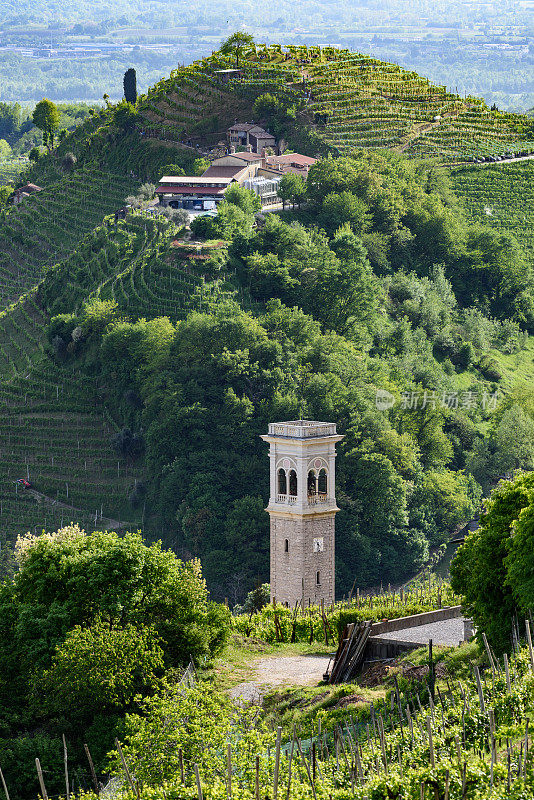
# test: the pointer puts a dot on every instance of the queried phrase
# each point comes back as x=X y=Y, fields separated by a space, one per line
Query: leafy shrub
x=126 y=443
x=490 y=369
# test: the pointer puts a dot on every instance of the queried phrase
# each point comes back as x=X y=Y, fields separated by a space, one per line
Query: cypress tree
x=130 y=85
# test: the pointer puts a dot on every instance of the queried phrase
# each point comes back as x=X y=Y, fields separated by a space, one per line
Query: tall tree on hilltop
x=46 y=116
x=130 y=85
x=236 y=44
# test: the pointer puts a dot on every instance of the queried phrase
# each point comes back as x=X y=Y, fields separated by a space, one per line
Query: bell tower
x=302 y=508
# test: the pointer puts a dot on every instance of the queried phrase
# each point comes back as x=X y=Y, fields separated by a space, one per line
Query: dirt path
x=276 y=671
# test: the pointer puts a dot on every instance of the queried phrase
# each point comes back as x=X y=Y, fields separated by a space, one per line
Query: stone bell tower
x=302 y=508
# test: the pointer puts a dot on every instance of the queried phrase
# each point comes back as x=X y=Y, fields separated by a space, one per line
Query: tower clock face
x=318 y=545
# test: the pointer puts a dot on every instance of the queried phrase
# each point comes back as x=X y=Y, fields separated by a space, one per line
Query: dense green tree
x=291 y=189
x=376 y=521
x=454 y=499
x=266 y=106
x=480 y=572
x=513 y=442
x=519 y=561
x=126 y=116
x=130 y=86
x=99 y=669
x=46 y=117
x=342 y=208
x=229 y=220
x=245 y=199
x=68 y=162
x=343 y=292
x=237 y=44
x=5 y=194
x=88 y=625
x=72 y=578
x=10 y=119
x=5 y=150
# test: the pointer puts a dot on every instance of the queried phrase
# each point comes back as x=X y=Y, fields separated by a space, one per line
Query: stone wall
x=294 y=573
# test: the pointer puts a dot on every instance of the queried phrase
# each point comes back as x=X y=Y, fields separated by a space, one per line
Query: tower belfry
x=302 y=508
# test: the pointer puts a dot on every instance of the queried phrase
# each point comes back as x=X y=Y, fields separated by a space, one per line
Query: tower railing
x=313 y=499
x=317 y=498
x=290 y=499
x=302 y=429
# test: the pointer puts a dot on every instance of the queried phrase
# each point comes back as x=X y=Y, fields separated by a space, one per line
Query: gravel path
x=448 y=631
x=281 y=671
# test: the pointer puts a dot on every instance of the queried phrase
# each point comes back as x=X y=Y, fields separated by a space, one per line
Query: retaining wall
x=415 y=620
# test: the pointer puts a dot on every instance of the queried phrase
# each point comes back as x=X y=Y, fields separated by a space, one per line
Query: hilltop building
x=25 y=191
x=249 y=135
x=291 y=162
x=260 y=174
x=302 y=508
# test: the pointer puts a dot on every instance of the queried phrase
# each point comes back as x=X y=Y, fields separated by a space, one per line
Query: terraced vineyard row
x=21 y=336
x=10 y=170
x=49 y=225
x=152 y=284
x=54 y=430
x=132 y=263
x=355 y=101
x=50 y=436
x=501 y=196
x=175 y=105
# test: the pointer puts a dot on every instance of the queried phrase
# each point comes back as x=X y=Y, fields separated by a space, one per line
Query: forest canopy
x=89 y=624
x=327 y=316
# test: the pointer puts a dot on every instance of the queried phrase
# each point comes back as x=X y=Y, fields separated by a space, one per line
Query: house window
x=292 y=483
x=318 y=578
x=286 y=546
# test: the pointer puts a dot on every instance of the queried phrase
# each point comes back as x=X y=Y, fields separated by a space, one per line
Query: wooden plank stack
x=350 y=651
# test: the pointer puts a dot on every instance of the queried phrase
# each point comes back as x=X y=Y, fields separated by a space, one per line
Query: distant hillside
x=343 y=99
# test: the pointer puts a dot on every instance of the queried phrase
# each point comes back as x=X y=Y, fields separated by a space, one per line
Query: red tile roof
x=208 y=190
x=188 y=180
x=222 y=172
x=245 y=156
x=292 y=158
x=30 y=187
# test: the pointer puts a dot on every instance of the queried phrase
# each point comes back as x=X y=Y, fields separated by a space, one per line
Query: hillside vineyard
x=301 y=246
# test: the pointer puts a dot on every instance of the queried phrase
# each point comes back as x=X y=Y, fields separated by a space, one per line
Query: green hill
x=347 y=99
x=428 y=313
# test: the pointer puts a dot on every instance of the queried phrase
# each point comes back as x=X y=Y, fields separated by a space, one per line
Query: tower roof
x=302 y=429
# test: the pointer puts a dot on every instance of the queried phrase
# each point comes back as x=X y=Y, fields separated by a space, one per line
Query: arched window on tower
x=286 y=546
x=312 y=483
x=323 y=482
x=282 y=481
x=292 y=483
x=318 y=579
